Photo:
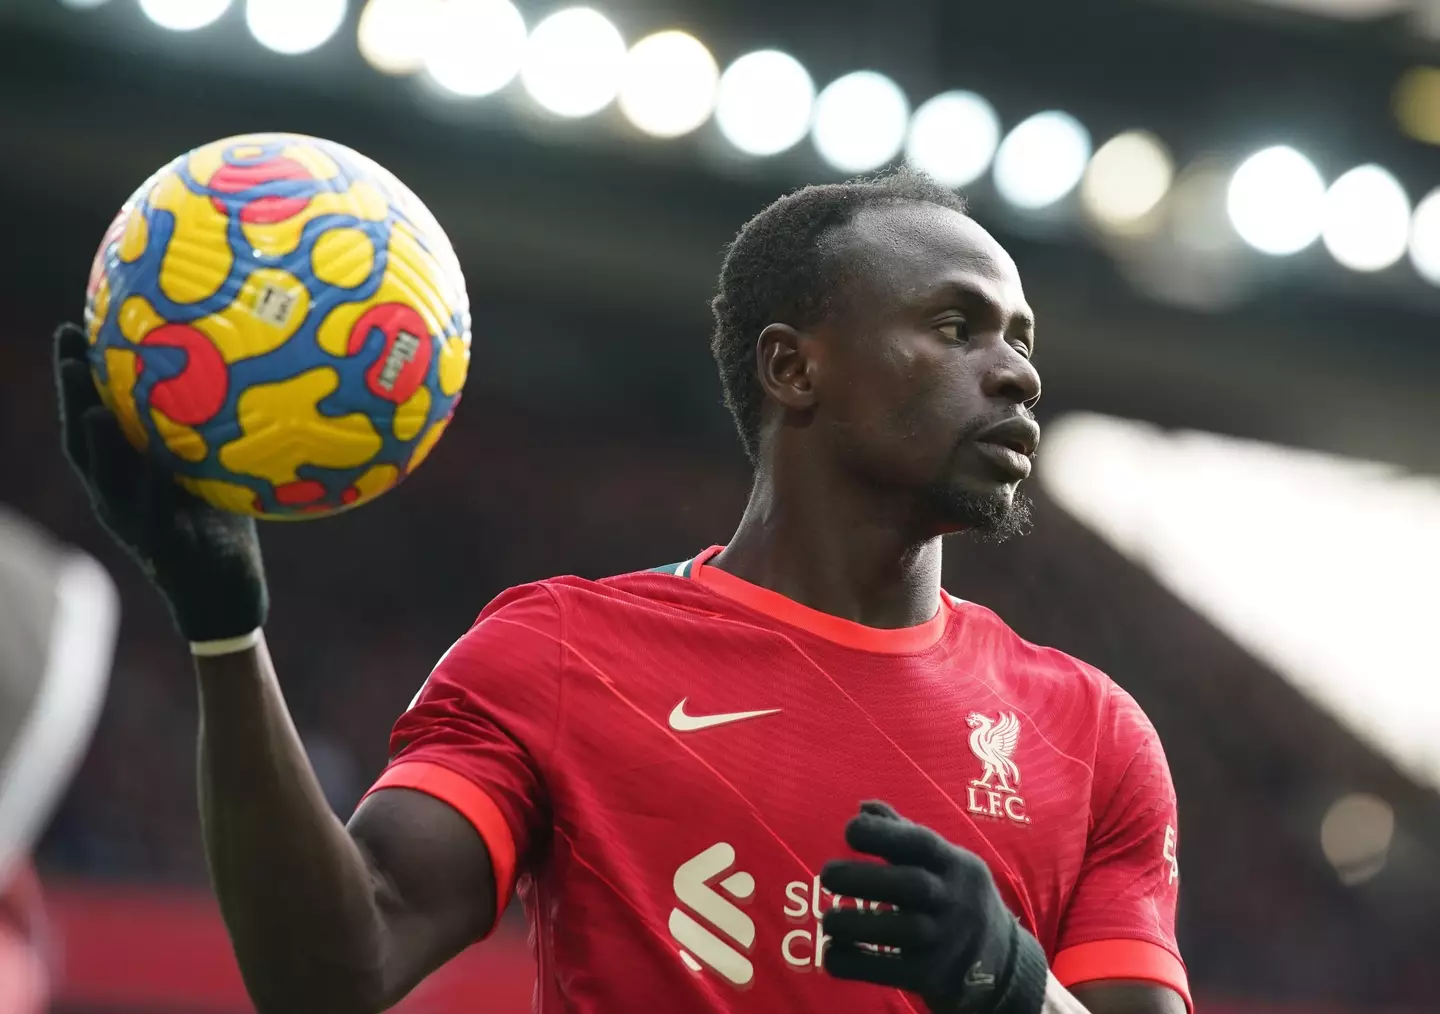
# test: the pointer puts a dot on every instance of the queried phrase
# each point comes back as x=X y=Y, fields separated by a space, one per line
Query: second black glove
x=949 y=937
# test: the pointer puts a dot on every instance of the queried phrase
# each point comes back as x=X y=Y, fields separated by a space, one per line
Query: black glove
x=958 y=945
x=205 y=561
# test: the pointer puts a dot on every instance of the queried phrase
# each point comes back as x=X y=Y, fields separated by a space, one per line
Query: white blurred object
x=292 y=27
x=1356 y=835
x=1276 y=201
x=1321 y=566
x=1366 y=219
x=475 y=47
x=1127 y=178
x=393 y=34
x=183 y=15
x=57 y=638
x=764 y=102
x=953 y=137
x=83 y=5
x=860 y=121
x=574 y=62
x=1041 y=159
x=1343 y=10
x=1425 y=237
x=669 y=84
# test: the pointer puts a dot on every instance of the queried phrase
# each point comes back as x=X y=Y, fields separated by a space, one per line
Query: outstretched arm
x=325 y=918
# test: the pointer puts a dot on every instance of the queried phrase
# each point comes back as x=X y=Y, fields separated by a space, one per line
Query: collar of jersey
x=848 y=633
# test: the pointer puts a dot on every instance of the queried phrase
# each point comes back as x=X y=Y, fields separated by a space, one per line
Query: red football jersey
x=660 y=764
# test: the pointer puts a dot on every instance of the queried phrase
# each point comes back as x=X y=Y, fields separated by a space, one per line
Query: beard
x=984 y=517
x=989 y=515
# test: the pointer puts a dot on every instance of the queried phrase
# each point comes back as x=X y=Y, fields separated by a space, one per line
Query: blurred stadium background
x=1224 y=212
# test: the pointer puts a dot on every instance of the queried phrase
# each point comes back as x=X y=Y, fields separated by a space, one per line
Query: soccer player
x=679 y=770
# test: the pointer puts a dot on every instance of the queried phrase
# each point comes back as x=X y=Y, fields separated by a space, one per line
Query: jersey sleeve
x=479 y=733
x=1120 y=921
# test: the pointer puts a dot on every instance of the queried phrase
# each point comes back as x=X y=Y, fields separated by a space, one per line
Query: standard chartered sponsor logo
x=698 y=945
x=807 y=902
x=724 y=945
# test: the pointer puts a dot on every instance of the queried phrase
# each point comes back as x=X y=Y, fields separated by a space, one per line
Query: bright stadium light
x=1425 y=237
x=860 y=121
x=1127 y=179
x=392 y=34
x=1366 y=219
x=669 y=84
x=574 y=62
x=1275 y=201
x=764 y=103
x=475 y=47
x=183 y=15
x=292 y=27
x=953 y=137
x=1041 y=160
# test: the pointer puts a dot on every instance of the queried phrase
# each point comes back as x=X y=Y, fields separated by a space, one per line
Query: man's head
x=875 y=324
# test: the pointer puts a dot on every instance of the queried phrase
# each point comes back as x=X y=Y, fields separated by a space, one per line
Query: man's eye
x=956 y=330
x=1023 y=349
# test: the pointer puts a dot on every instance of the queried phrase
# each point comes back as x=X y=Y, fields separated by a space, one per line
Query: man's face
x=926 y=383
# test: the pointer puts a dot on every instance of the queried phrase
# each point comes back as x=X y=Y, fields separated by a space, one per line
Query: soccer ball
x=281 y=323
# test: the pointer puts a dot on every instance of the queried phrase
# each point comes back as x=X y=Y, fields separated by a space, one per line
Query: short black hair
x=778 y=269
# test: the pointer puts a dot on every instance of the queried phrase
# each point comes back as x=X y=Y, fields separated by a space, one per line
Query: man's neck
x=832 y=550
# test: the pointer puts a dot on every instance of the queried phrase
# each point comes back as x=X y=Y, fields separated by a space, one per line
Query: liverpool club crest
x=996 y=793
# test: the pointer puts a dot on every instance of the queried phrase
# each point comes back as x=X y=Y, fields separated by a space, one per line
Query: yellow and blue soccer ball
x=280 y=322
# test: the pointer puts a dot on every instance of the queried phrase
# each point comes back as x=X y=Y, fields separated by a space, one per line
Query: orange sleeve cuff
x=473 y=803
x=1121 y=959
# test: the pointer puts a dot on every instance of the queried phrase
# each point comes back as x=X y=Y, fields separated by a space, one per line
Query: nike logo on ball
x=681 y=722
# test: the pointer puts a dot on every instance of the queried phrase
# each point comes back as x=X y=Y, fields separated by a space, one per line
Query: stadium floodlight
x=1366 y=219
x=1127 y=178
x=392 y=34
x=1275 y=201
x=669 y=84
x=183 y=15
x=860 y=121
x=1425 y=237
x=764 y=103
x=953 y=137
x=574 y=62
x=292 y=27
x=1041 y=159
x=475 y=47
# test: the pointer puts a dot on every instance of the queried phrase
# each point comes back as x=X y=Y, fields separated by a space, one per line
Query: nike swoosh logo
x=977 y=976
x=681 y=722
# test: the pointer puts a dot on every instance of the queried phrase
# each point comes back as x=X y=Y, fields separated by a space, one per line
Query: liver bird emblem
x=994 y=741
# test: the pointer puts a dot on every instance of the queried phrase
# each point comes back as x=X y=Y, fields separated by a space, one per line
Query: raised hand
x=206 y=562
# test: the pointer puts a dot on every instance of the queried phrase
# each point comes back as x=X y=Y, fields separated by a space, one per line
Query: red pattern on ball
x=195 y=394
x=300 y=492
x=234 y=179
x=404 y=362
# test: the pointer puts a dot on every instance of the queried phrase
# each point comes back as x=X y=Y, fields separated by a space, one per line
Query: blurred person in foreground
x=58 y=614
x=666 y=766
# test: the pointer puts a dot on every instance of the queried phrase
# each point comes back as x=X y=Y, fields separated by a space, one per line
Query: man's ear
x=789 y=364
